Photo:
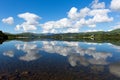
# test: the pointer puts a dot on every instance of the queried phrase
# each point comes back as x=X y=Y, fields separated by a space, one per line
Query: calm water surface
x=59 y=60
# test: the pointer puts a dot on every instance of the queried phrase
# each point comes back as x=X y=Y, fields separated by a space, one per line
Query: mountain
x=69 y=36
x=115 y=31
x=100 y=36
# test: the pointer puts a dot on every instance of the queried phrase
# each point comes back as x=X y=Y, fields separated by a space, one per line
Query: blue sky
x=59 y=16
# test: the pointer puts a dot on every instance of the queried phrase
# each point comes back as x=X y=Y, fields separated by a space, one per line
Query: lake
x=59 y=60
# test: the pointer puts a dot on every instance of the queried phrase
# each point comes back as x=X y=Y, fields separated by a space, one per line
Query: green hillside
x=100 y=35
x=115 y=31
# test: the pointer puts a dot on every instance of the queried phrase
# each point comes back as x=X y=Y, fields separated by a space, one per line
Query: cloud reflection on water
x=76 y=53
x=31 y=50
x=73 y=50
x=9 y=53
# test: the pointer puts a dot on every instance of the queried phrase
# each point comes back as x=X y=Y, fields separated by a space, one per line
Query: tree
x=3 y=36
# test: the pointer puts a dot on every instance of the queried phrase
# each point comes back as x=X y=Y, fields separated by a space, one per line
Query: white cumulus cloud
x=9 y=20
x=100 y=15
x=31 y=22
x=93 y=30
x=57 y=24
x=75 y=20
x=115 y=5
x=74 y=14
x=96 y=5
x=85 y=17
